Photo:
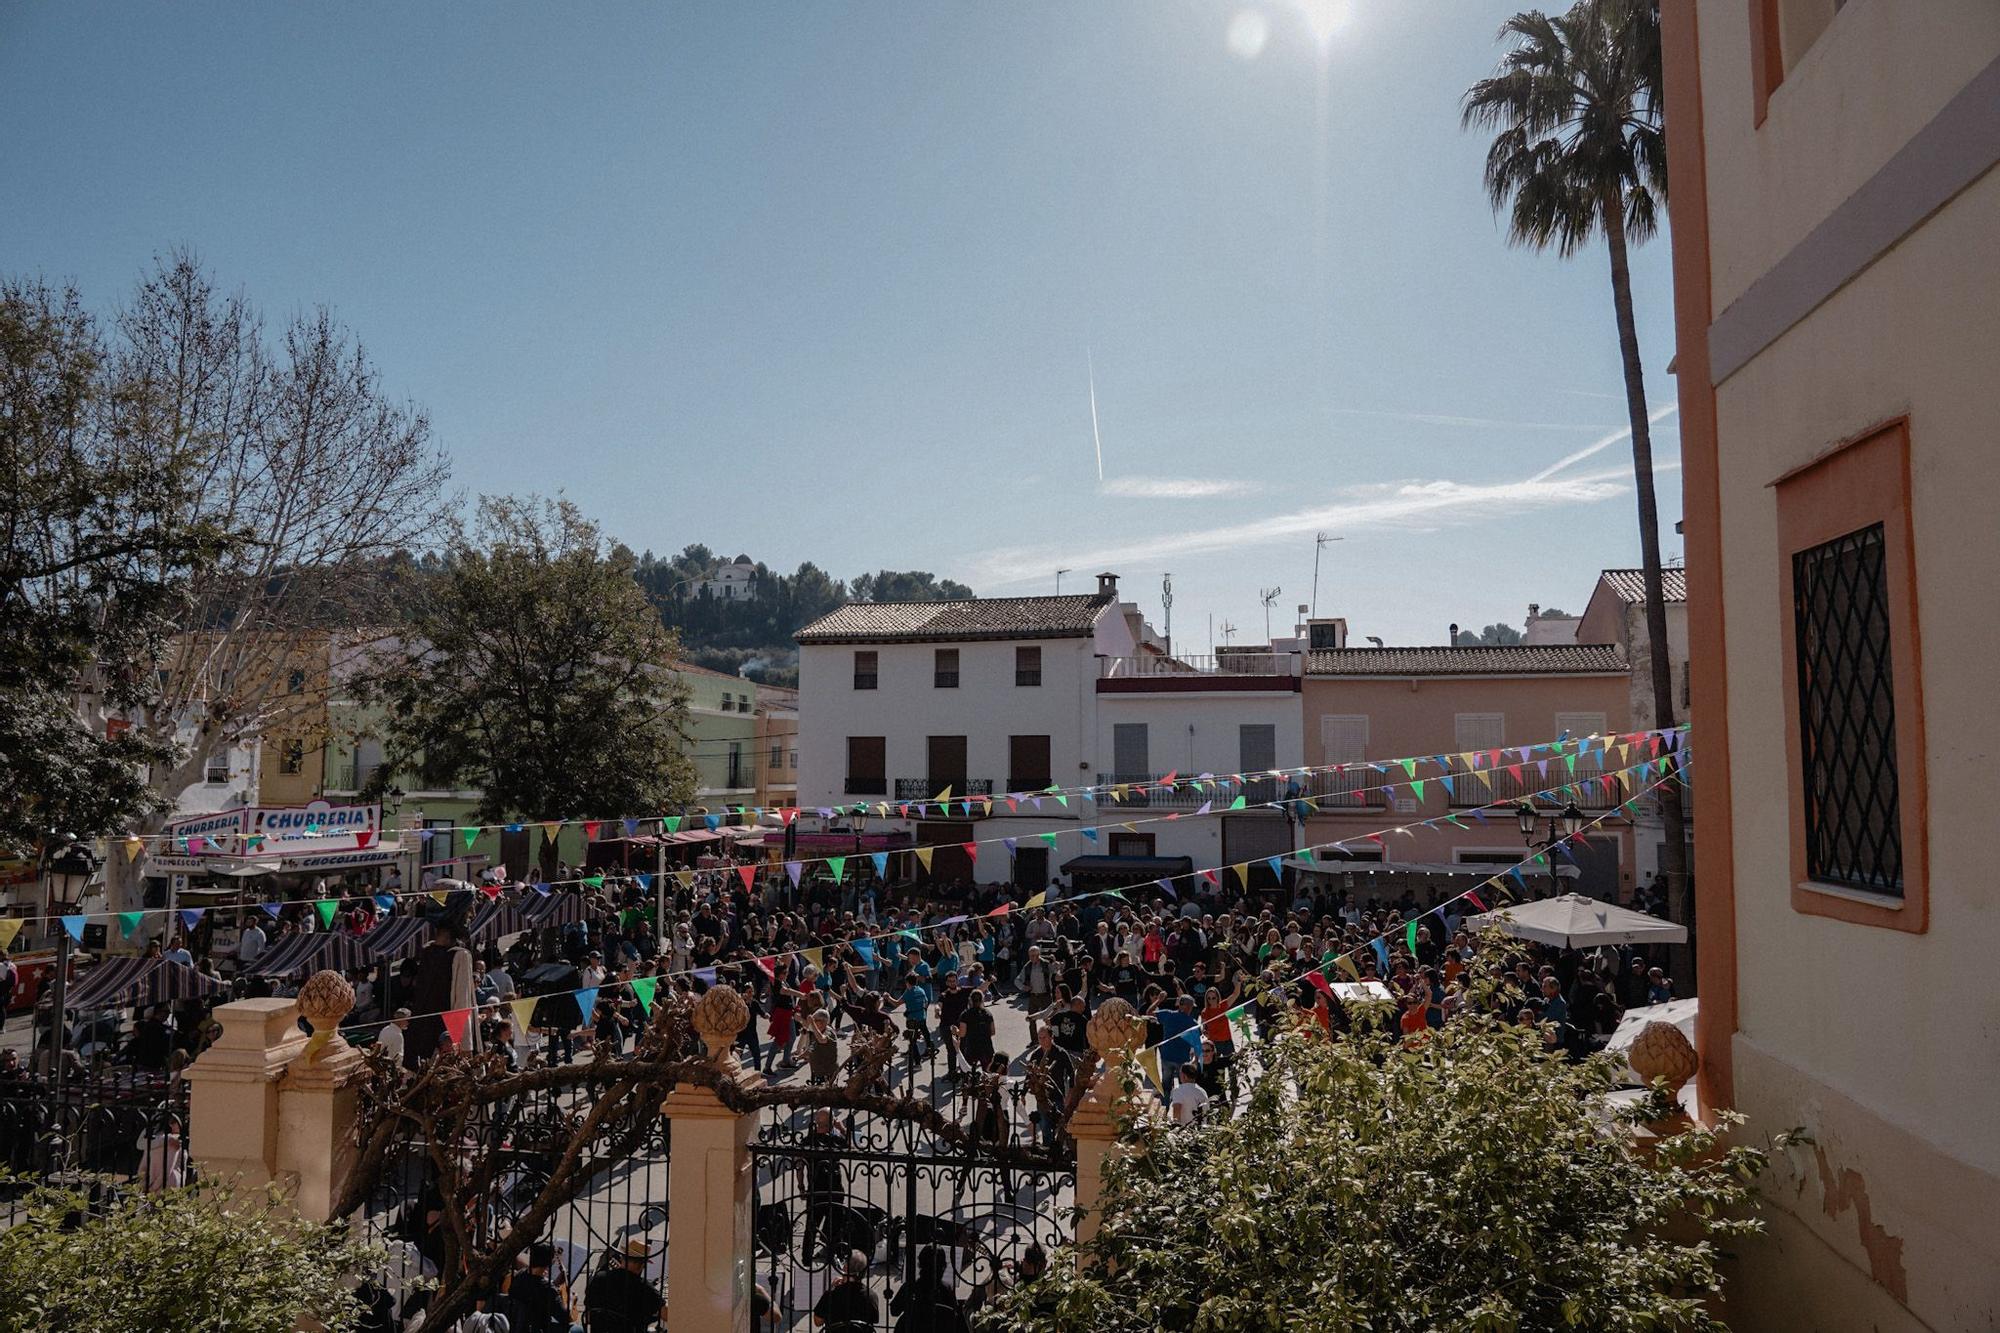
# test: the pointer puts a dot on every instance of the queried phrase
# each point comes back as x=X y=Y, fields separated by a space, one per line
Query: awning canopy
x=320 y=950
x=557 y=909
x=1579 y=923
x=397 y=937
x=128 y=983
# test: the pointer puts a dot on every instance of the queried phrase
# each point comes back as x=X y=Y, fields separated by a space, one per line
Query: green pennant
x=1410 y=936
x=594 y=881
x=129 y=922
x=837 y=864
x=1417 y=786
x=642 y=990
x=1569 y=761
x=471 y=835
x=1238 y=804
x=673 y=823
x=1049 y=838
x=327 y=907
x=1409 y=767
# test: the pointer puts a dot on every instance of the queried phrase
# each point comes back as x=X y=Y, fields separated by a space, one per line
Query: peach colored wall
x=1417 y=716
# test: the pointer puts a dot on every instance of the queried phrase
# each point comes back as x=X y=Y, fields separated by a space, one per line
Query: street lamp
x=68 y=870
x=1562 y=826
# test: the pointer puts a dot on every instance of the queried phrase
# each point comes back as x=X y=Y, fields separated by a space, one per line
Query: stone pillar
x=268 y=1103
x=1115 y=1031
x=710 y=1260
x=233 y=1091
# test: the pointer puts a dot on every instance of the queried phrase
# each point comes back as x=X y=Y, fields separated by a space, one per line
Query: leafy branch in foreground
x=206 y=1257
x=1470 y=1182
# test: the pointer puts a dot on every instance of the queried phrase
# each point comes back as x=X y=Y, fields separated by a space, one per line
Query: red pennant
x=1318 y=979
x=1515 y=771
x=1213 y=877
x=492 y=891
x=1475 y=900
x=590 y=827
x=1001 y=910
x=1168 y=780
x=1012 y=805
x=363 y=837
x=454 y=1025
x=748 y=874
x=767 y=966
x=788 y=814
x=1375 y=838
x=971 y=850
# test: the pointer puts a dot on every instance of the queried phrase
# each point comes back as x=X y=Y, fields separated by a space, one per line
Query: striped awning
x=127 y=983
x=558 y=909
x=320 y=950
x=398 y=937
x=496 y=919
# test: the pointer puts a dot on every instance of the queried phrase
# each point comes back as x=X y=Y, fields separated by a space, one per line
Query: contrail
x=1095 y=438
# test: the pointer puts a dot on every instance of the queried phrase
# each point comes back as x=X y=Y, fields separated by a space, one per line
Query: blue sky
x=826 y=281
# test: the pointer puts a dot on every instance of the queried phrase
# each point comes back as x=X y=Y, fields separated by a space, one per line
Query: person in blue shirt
x=1178 y=1033
x=916 y=999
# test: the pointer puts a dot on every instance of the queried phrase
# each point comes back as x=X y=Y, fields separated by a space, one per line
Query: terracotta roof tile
x=1070 y=617
x=1517 y=659
x=1630 y=584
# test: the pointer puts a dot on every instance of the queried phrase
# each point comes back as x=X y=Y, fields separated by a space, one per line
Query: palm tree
x=1579 y=147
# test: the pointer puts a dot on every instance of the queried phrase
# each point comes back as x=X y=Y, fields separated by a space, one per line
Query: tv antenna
x=1059 y=574
x=1167 y=601
x=1268 y=596
x=1227 y=630
x=1319 y=544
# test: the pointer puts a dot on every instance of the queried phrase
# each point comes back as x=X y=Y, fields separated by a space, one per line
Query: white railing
x=1203 y=664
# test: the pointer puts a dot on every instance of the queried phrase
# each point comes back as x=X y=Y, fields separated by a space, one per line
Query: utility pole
x=1167 y=601
x=1319 y=544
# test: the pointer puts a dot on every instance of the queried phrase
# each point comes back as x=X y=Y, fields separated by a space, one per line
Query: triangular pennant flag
x=491 y=890
x=386 y=901
x=586 y=1002
x=645 y=881
x=471 y=835
x=971 y=850
x=1238 y=803
x=440 y=897
x=255 y=841
x=944 y=795
x=631 y=828
x=838 y=865
x=590 y=827
x=815 y=957
x=793 y=869
x=714 y=822
x=1277 y=864
x=1089 y=834
x=1417 y=786
x=1205 y=806
x=327 y=907
x=9 y=928
x=272 y=909
x=1410 y=936
x=1346 y=964
x=541 y=887
x=1038 y=899
x=133 y=846
x=362 y=837
x=524 y=1014
x=1167 y=887
x=642 y=991
x=454 y=1024
x=1001 y=910
x=1319 y=982
x=129 y=922
x=706 y=975
x=1149 y=1061
x=1409 y=767
x=1242 y=873
x=1381 y=953
x=881 y=860
x=923 y=857
x=190 y=916
x=1048 y=838
x=866 y=949
x=594 y=881
x=672 y=823
x=1472 y=896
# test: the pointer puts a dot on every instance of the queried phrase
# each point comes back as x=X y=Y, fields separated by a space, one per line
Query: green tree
x=906 y=585
x=1580 y=148
x=99 y=551
x=196 y=1258
x=1468 y=1183
x=1493 y=636
x=536 y=671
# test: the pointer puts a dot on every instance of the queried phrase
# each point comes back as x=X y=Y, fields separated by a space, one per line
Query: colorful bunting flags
x=470 y=835
x=642 y=991
x=881 y=860
x=191 y=916
x=9 y=928
x=455 y=1021
x=586 y=1002
x=838 y=865
x=748 y=874
x=524 y=1014
x=129 y=922
x=326 y=908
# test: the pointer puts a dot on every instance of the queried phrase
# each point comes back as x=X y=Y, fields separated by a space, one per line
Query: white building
x=732 y=582
x=994 y=697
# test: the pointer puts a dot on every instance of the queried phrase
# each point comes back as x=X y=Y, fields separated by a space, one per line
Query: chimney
x=1107 y=585
x=1534 y=609
x=1453 y=640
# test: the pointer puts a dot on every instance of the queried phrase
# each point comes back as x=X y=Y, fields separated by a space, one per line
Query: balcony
x=925 y=789
x=1196 y=673
x=1184 y=795
x=1473 y=791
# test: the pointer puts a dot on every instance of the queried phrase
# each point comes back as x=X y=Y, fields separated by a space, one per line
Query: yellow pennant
x=1346 y=964
x=133 y=846
x=942 y=796
x=552 y=829
x=439 y=896
x=686 y=877
x=1149 y=1060
x=923 y=856
x=1039 y=899
x=9 y=928
x=524 y=1014
x=1242 y=873
x=814 y=957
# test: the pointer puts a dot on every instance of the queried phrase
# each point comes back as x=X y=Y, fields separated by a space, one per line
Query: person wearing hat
x=620 y=1299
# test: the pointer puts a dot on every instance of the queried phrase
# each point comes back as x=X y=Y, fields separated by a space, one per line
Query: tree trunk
x=1673 y=855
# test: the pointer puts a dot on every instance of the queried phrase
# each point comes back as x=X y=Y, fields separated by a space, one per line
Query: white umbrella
x=1578 y=922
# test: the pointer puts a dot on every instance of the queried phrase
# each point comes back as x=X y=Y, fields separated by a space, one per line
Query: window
x=1853 y=711
x=946 y=677
x=1479 y=731
x=1131 y=844
x=216 y=769
x=1027 y=666
x=864 y=670
x=735 y=766
x=292 y=759
x=777 y=759
x=1028 y=766
x=1129 y=752
x=795 y=761
x=1257 y=747
x=867 y=766
x=946 y=755
x=1578 y=725
x=1781 y=32
x=1343 y=739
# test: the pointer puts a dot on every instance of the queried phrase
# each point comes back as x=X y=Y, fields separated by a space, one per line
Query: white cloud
x=1174 y=488
x=1395 y=505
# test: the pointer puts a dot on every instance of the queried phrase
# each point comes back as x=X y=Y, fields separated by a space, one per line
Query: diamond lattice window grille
x=1847 y=713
